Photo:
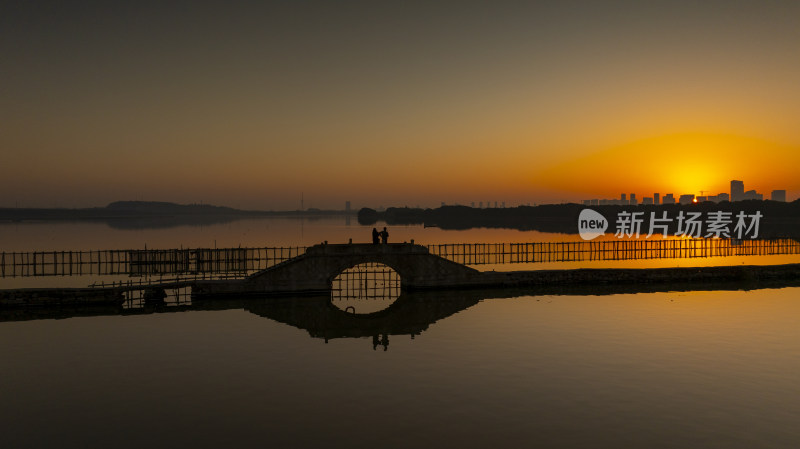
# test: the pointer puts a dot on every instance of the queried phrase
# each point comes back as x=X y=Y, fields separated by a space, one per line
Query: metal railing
x=147 y=262
x=609 y=250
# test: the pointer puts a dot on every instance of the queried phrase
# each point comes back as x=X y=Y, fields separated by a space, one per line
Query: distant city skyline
x=737 y=193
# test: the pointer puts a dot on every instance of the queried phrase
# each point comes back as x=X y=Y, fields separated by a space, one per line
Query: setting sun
x=688 y=163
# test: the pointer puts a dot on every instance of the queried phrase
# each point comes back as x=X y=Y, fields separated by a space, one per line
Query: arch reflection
x=410 y=314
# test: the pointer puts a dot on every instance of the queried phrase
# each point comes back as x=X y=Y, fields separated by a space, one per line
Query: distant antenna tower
x=301 y=201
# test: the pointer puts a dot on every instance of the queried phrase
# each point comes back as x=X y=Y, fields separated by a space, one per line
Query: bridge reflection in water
x=411 y=314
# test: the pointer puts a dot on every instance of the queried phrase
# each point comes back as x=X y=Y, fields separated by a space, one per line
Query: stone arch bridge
x=314 y=271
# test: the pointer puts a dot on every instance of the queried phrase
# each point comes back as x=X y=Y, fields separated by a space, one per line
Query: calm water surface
x=461 y=369
x=64 y=236
x=286 y=232
x=688 y=369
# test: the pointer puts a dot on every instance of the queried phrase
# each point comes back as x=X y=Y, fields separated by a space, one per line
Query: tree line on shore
x=778 y=219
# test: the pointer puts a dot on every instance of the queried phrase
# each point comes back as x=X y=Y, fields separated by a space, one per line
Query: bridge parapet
x=350 y=249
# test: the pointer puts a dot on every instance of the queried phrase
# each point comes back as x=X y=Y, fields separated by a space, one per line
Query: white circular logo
x=591 y=224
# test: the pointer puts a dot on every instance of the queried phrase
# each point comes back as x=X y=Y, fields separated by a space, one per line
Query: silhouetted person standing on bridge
x=375 y=235
x=384 y=236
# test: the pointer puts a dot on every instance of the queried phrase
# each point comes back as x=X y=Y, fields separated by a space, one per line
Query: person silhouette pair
x=380 y=237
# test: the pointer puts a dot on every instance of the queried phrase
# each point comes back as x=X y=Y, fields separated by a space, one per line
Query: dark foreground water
x=671 y=369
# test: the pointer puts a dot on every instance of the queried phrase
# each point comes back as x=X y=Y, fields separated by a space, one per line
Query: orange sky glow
x=392 y=105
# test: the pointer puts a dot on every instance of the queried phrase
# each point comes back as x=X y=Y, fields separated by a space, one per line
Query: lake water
x=451 y=369
x=289 y=232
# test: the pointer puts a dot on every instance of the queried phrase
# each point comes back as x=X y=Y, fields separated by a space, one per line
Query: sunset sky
x=395 y=103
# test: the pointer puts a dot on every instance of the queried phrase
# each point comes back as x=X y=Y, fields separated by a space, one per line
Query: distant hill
x=164 y=213
x=161 y=207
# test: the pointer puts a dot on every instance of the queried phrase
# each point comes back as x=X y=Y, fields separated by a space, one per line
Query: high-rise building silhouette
x=752 y=195
x=737 y=194
x=737 y=190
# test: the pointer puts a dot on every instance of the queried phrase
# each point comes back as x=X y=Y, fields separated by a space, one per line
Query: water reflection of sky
x=64 y=236
x=656 y=370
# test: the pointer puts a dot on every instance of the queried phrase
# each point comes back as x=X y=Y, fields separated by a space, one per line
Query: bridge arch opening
x=365 y=288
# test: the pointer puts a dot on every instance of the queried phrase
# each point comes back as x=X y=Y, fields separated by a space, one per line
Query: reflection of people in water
x=382 y=340
x=384 y=235
x=375 y=235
